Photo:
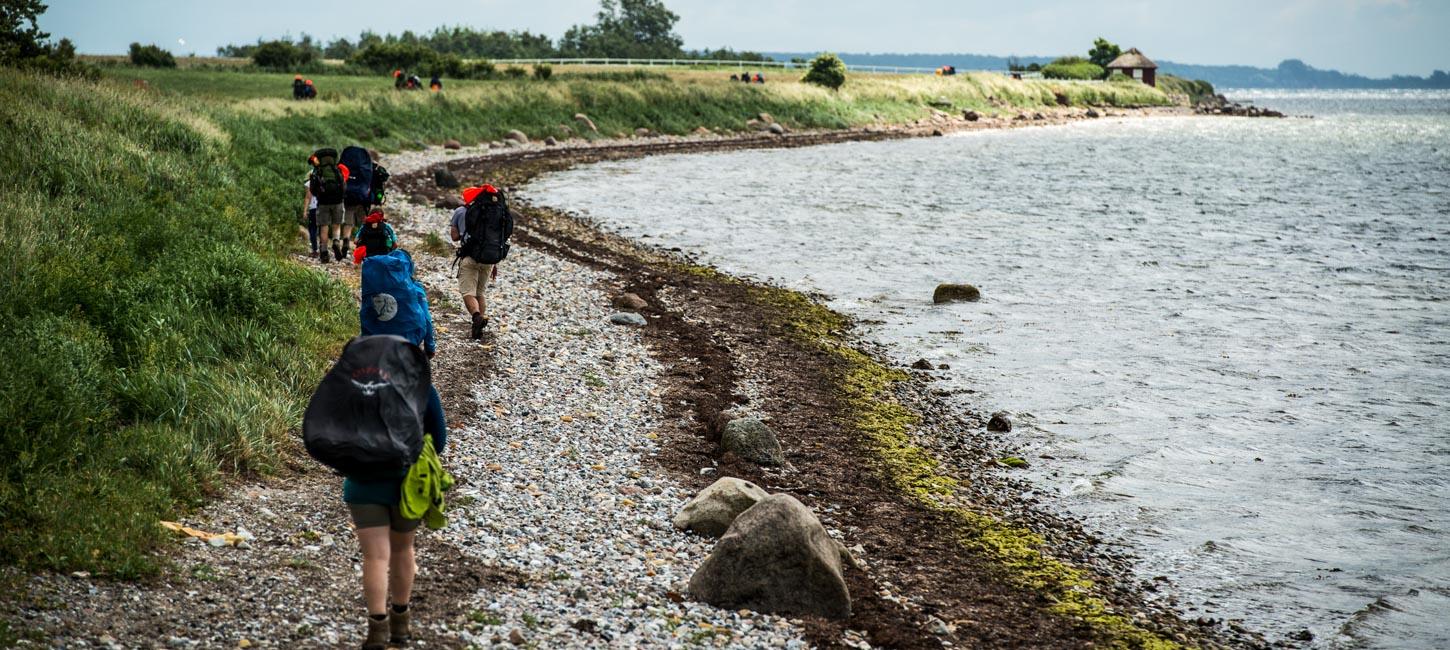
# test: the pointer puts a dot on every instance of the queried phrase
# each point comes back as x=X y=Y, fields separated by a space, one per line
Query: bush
x=826 y=70
x=515 y=72
x=1072 y=67
x=151 y=56
x=542 y=72
x=279 y=55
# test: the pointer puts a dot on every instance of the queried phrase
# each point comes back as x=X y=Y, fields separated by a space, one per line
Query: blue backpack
x=359 y=165
x=392 y=301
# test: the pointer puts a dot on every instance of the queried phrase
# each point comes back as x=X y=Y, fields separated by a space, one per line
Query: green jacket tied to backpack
x=423 y=489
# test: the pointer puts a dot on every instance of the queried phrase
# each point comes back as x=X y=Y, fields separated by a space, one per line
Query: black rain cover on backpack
x=488 y=224
x=327 y=183
x=366 y=418
x=359 y=176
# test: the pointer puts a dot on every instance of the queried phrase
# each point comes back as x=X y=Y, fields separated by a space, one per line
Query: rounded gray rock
x=750 y=439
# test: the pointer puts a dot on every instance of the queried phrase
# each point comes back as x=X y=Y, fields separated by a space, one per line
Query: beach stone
x=1038 y=116
x=517 y=136
x=419 y=199
x=970 y=116
x=700 y=130
x=766 y=117
x=444 y=178
x=550 y=141
x=516 y=636
x=448 y=202
x=629 y=302
x=750 y=439
x=495 y=145
x=1093 y=113
x=949 y=292
x=452 y=144
x=712 y=511
x=776 y=128
x=922 y=364
x=775 y=558
x=941 y=102
x=627 y=318
x=585 y=123
x=642 y=132
x=1001 y=421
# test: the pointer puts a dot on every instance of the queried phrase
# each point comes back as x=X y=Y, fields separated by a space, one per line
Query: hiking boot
x=377 y=635
x=398 y=628
x=336 y=252
x=346 y=249
x=478 y=322
x=322 y=256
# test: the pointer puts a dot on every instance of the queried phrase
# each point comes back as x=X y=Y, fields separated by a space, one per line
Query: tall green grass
x=157 y=340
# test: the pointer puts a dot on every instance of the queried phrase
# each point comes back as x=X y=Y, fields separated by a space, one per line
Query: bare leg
x=470 y=303
x=404 y=567
x=376 y=557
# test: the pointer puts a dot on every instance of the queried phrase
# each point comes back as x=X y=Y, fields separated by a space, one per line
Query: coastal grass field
x=159 y=337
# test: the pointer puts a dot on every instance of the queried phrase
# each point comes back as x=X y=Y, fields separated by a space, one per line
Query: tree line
x=639 y=29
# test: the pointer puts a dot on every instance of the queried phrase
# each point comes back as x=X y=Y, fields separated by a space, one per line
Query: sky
x=1371 y=37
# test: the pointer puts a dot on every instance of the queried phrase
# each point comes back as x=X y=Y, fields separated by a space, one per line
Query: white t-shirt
x=312 y=205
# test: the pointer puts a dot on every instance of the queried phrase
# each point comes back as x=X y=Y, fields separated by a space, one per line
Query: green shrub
x=386 y=57
x=1119 y=77
x=515 y=72
x=542 y=72
x=280 y=55
x=151 y=56
x=826 y=70
x=1072 y=67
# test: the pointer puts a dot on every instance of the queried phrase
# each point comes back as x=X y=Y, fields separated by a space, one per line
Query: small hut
x=1135 y=65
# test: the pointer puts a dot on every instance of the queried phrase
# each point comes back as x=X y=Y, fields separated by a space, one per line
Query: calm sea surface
x=1227 y=340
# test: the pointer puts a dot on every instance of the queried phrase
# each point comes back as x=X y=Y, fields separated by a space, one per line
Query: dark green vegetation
x=151 y=56
x=1196 y=90
x=1072 y=67
x=826 y=70
x=622 y=29
x=24 y=46
x=1103 y=52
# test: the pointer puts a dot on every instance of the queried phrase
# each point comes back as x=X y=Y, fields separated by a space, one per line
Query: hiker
x=308 y=221
x=393 y=302
x=358 y=196
x=377 y=420
x=310 y=91
x=745 y=77
x=299 y=87
x=374 y=237
x=414 y=83
x=436 y=84
x=734 y=77
x=759 y=78
x=481 y=228
x=327 y=183
x=399 y=80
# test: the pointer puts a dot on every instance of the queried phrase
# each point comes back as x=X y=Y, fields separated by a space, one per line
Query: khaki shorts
x=372 y=515
x=355 y=215
x=328 y=215
x=473 y=278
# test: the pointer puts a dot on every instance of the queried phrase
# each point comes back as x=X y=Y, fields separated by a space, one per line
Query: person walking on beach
x=374 y=237
x=481 y=228
x=327 y=183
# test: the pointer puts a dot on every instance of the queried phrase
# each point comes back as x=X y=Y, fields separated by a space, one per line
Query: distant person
x=308 y=222
x=374 y=237
x=327 y=183
x=745 y=77
x=436 y=84
x=735 y=77
x=759 y=78
x=310 y=91
x=414 y=83
x=299 y=88
x=399 y=81
x=481 y=228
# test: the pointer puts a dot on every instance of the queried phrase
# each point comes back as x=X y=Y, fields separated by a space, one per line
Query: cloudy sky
x=1371 y=37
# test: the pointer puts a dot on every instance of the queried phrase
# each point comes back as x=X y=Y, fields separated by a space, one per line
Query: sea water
x=1226 y=340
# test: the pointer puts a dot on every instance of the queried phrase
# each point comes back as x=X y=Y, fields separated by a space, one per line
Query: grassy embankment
x=157 y=337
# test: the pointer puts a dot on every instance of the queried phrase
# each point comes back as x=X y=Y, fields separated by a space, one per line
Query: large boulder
x=452 y=144
x=750 y=439
x=712 y=511
x=970 y=115
x=642 y=132
x=517 y=136
x=776 y=128
x=776 y=558
x=955 y=293
x=444 y=178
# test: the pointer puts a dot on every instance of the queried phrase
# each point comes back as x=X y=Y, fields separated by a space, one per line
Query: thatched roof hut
x=1135 y=65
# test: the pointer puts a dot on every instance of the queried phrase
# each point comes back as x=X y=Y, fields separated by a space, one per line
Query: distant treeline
x=1292 y=73
x=640 y=29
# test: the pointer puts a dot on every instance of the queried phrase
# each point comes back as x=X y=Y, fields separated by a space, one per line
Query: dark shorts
x=372 y=515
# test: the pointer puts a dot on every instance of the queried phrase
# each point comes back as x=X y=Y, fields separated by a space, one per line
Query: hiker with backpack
x=299 y=87
x=481 y=228
x=360 y=192
x=328 y=183
x=377 y=420
x=374 y=237
x=308 y=221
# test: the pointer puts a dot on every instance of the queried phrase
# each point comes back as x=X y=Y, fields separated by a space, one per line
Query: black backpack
x=380 y=182
x=488 y=225
x=326 y=179
x=366 y=418
x=375 y=240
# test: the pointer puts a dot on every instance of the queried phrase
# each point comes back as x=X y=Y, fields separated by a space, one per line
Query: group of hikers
x=404 y=81
x=376 y=417
x=745 y=76
x=303 y=88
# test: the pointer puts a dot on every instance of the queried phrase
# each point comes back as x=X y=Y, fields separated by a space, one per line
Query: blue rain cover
x=392 y=301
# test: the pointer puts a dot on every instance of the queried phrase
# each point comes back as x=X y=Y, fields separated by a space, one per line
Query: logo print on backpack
x=386 y=306
x=376 y=378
